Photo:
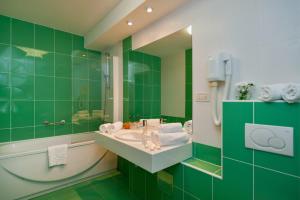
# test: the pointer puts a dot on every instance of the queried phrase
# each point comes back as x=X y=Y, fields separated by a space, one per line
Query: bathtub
x=24 y=171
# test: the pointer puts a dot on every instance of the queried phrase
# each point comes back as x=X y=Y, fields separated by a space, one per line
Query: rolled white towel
x=188 y=126
x=105 y=128
x=168 y=139
x=170 y=128
x=291 y=92
x=271 y=92
x=116 y=126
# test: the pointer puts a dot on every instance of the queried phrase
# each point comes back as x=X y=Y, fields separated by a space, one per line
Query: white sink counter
x=136 y=153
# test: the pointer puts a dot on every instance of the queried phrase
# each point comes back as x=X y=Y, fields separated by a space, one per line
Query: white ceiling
x=169 y=45
x=74 y=16
x=102 y=22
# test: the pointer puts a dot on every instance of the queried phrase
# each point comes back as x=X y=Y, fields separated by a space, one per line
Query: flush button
x=275 y=139
x=276 y=143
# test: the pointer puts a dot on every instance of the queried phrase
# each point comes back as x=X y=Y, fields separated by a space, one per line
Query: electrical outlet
x=201 y=97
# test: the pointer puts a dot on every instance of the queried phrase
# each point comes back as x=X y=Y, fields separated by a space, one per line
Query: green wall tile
x=44 y=38
x=81 y=90
x=4 y=29
x=235 y=115
x=5 y=57
x=22 y=113
x=63 y=89
x=4 y=114
x=271 y=185
x=279 y=114
x=177 y=172
x=197 y=183
x=207 y=153
x=95 y=90
x=63 y=111
x=22 y=87
x=137 y=178
x=44 y=131
x=63 y=129
x=22 y=33
x=152 y=189
x=44 y=111
x=4 y=87
x=237 y=181
x=63 y=42
x=78 y=47
x=4 y=135
x=44 y=88
x=80 y=117
x=96 y=55
x=175 y=194
x=45 y=65
x=95 y=70
x=21 y=62
x=63 y=65
x=188 y=196
x=80 y=68
x=22 y=133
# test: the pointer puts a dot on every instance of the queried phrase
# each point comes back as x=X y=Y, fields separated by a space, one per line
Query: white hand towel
x=188 y=126
x=57 y=155
x=271 y=92
x=170 y=128
x=291 y=92
x=116 y=126
x=168 y=139
x=105 y=128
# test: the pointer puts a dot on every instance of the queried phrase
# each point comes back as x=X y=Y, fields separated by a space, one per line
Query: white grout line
x=258 y=166
x=72 y=82
x=10 y=82
x=253 y=168
x=34 y=122
x=54 y=65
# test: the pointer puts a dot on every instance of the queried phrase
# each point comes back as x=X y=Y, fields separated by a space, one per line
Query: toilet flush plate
x=274 y=139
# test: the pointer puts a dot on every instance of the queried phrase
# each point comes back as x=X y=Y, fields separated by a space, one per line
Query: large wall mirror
x=158 y=81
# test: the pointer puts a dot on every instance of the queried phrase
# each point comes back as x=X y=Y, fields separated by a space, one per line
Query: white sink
x=130 y=136
x=127 y=144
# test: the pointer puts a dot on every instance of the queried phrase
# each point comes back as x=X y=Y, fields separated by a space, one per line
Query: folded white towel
x=271 y=92
x=170 y=128
x=152 y=122
x=188 y=126
x=57 y=155
x=105 y=128
x=168 y=139
x=291 y=92
x=116 y=126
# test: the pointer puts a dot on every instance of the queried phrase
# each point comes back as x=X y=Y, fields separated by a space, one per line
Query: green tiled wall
x=188 y=84
x=247 y=174
x=141 y=84
x=46 y=74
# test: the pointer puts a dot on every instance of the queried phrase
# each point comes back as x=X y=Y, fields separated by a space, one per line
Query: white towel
x=188 y=126
x=105 y=128
x=57 y=155
x=115 y=127
x=168 y=139
x=271 y=92
x=291 y=92
x=170 y=128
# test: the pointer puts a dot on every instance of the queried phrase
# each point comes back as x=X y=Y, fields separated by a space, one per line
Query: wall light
x=189 y=30
x=129 y=23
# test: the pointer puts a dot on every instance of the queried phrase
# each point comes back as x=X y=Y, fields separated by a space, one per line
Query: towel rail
x=72 y=145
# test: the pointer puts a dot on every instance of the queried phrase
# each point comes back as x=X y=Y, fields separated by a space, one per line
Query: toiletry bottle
x=144 y=134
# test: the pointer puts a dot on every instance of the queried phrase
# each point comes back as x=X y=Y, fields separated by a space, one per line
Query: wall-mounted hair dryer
x=219 y=70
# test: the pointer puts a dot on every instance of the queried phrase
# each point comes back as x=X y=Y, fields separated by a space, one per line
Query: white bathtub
x=24 y=170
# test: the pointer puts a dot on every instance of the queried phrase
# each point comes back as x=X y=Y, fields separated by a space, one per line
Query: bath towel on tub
x=57 y=155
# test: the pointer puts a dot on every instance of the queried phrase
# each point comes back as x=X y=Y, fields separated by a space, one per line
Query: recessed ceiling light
x=129 y=23
x=149 y=9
